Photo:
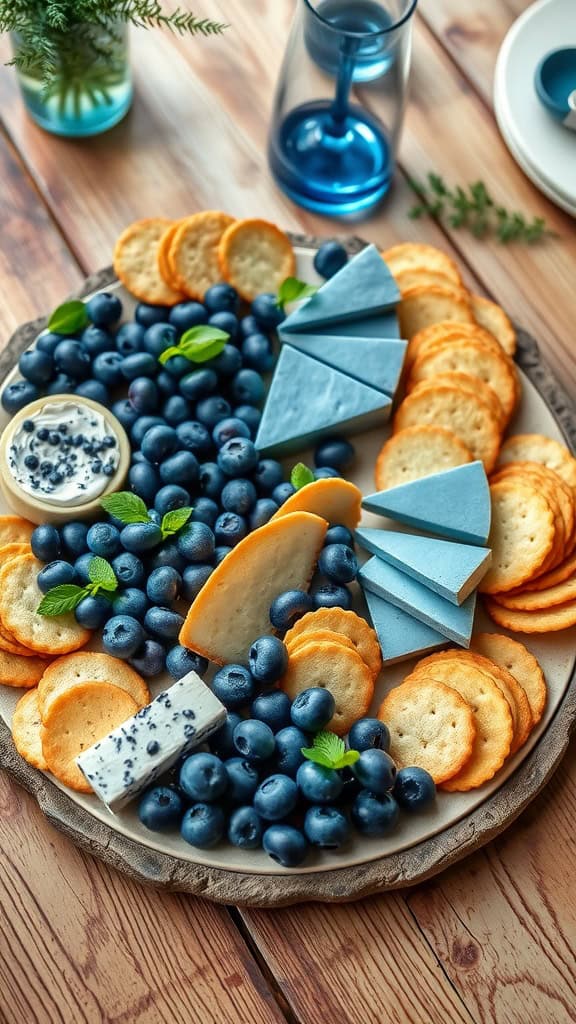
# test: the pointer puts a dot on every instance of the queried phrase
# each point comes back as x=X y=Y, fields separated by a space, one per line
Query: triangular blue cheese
x=450 y=569
x=381 y=325
x=397 y=588
x=363 y=286
x=400 y=635
x=372 y=361
x=454 y=503
x=309 y=400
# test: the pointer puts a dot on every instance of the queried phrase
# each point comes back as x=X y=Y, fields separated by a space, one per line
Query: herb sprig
x=128 y=508
x=330 y=751
x=198 y=345
x=293 y=290
x=473 y=208
x=69 y=318
x=67 y=596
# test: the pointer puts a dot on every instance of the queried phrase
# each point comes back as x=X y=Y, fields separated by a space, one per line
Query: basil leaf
x=102 y=574
x=300 y=476
x=69 y=318
x=199 y=344
x=62 y=599
x=174 y=521
x=167 y=354
x=292 y=290
x=126 y=507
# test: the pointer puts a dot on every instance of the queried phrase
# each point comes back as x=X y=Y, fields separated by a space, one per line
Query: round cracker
x=162 y=256
x=193 y=254
x=77 y=719
x=538 y=448
x=19 y=599
x=520 y=662
x=447 y=330
x=430 y=725
x=563 y=493
x=494 y=732
x=562 y=572
x=15 y=530
x=136 y=262
x=318 y=636
x=414 y=277
x=465 y=415
x=416 y=452
x=411 y=255
x=10 y=646
x=550 y=492
x=521 y=535
x=73 y=669
x=535 y=600
x=471 y=357
x=255 y=256
x=547 y=620
x=26 y=726
x=493 y=318
x=472 y=386
x=428 y=304
x=19 y=671
x=337 y=669
x=347 y=624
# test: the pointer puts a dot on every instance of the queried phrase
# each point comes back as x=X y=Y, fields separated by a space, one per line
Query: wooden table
x=490 y=940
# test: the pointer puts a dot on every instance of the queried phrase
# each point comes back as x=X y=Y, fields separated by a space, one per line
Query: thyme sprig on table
x=473 y=208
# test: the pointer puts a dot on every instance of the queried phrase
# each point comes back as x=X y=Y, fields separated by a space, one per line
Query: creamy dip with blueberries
x=64 y=453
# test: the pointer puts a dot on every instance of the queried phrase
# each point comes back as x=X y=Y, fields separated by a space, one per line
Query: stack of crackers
x=462 y=714
x=163 y=262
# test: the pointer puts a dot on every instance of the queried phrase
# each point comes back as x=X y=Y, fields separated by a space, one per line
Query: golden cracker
x=72 y=669
x=414 y=277
x=422 y=306
x=520 y=662
x=465 y=415
x=494 y=732
x=315 y=636
x=521 y=535
x=136 y=262
x=445 y=331
x=193 y=254
x=162 y=256
x=535 y=600
x=538 y=448
x=563 y=493
x=337 y=669
x=19 y=599
x=562 y=572
x=410 y=255
x=345 y=623
x=255 y=256
x=19 y=671
x=15 y=530
x=472 y=386
x=493 y=318
x=470 y=356
x=416 y=452
x=547 y=620
x=26 y=726
x=556 y=553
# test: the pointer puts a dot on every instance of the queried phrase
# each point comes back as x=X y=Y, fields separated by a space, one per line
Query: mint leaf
x=330 y=751
x=69 y=318
x=198 y=345
x=347 y=759
x=126 y=507
x=61 y=599
x=317 y=756
x=300 y=476
x=292 y=290
x=102 y=574
x=174 y=521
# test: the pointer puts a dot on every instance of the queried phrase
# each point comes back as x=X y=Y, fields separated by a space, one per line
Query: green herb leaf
x=198 y=344
x=174 y=521
x=347 y=759
x=102 y=574
x=61 y=599
x=126 y=507
x=292 y=290
x=69 y=318
x=311 y=754
x=300 y=476
x=330 y=751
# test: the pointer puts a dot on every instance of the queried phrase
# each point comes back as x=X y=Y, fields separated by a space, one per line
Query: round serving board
x=423 y=844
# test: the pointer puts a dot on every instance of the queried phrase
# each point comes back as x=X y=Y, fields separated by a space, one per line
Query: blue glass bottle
x=340 y=103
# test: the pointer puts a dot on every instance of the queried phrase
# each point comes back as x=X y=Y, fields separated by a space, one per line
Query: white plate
x=544 y=149
x=556 y=654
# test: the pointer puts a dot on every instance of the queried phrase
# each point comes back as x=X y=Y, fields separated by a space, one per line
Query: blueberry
x=338 y=563
x=375 y=815
x=318 y=784
x=242 y=780
x=182 y=468
x=272 y=708
x=368 y=733
x=257 y=353
x=163 y=585
x=212 y=480
x=335 y=452
x=36 y=366
x=143 y=394
x=203 y=777
x=234 y=686
x=414 y=789
x=226 y=429
x=122 y=636
x=95 y=340
x=124 y=412
x=230 y=529
x=48 y=342
x=339 y=535
x=330 y=595
x=268 y=660
x=158 y=443
x=221 y=298
x=249 y=325
x=220 y=553
x=73 y=536
x=210 y=411
x=143 y=424
x=144 y=480
x=262 y=513
x=130 y=339
x=94 y=390
x=238 y=496
x=238 y=457
x=375 y=770
x=106 y=369
x=203 y=825
x=139 y=364
x=326 y=473
x=286 y=845
x=104 y=309
x=198 y=384
x=254 y=740
x=158 y=336
x=329 y=259
x=326 y=827
x=55 y=574
x=180 y=661
x=129 y=570
x=130 y=601
x=177 y=366
x=62 y=384
x=248 y=387
x=163 y=622
x=46 y=543
x=148 y=315
x=227 y=322
x=93 y=611
x=222 y=741
x=276 y=797
x=205 y=511
x=185 y=315
x=138 y=537
x=16 y=396
x=194 y=578
x=312 y=709
x=81 y=567
x=251 y=417
x=266 y=312
x=167 y=385
x=289 y=743
x=176 y=410
x=103 y=539
x=196 y=542
x=282 y=492
x=160 y=809
x=245 y=829
x=171 y=497
x=194 y=437
x=70 y=357
x=288 y=607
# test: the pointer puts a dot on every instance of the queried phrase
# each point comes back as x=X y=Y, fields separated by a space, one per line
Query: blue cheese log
x=401 y=636
x=377 y=362
x=134 y=755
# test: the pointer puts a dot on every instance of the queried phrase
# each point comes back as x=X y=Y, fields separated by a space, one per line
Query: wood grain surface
x=492 y=940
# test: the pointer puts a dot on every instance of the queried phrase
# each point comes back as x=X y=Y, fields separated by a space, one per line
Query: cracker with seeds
x=19 y=600
x=430 y=725
x=538 y=448
x=493 y=318
x=73 y=669
x=255 y=256
x=521 y=535
x=414 y=255
x=416 y=452
x=337 y=669
x=494 y=731
x=465 y=415
x=18 y=671
x=427 y=304
x=136 y=262
x=193 y=253
x=26 y=726
x=470 y=356
x=346 y=624
x=520 y=662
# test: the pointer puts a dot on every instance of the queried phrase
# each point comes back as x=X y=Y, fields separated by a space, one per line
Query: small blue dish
x=555 y=83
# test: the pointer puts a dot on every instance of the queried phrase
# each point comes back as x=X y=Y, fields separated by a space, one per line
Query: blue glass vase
x=340 y=103
x=91 y=88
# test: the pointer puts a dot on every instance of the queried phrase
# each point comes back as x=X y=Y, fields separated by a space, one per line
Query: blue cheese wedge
x=364 y=286
x=373 y=361
x=381 y=325
x=400 y=635
x=134 y=755
x=308 y=400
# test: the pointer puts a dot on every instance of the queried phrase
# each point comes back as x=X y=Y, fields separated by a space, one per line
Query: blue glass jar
x=91 y=88
x=340 y=103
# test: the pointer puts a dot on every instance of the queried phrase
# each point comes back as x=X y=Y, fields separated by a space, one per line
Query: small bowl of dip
x=59 y=456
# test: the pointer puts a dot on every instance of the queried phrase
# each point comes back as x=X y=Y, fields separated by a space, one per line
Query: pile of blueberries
x=253 y=785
